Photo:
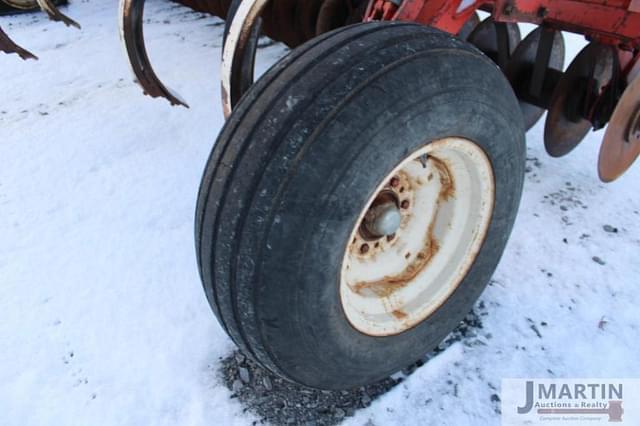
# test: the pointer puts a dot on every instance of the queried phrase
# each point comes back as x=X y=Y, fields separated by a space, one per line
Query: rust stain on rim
x=399 y=314
x=446 y=180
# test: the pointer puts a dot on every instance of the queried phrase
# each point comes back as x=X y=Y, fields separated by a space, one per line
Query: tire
x=298 y=161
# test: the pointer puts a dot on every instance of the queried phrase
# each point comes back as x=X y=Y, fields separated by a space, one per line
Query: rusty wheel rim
x=445 y=194
x=621 y=144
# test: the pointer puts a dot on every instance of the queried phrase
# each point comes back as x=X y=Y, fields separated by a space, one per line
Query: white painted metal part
x=239 y=30
x=445 y=191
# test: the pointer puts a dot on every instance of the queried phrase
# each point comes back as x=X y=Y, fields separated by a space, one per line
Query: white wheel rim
x=397 y=281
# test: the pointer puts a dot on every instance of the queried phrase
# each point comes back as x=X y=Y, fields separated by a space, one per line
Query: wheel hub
x=383 y=218
x=417 y=237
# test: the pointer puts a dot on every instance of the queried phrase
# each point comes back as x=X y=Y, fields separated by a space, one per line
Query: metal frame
x=615 y=22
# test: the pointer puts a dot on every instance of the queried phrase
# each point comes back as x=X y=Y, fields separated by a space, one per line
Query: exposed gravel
x=279 y=402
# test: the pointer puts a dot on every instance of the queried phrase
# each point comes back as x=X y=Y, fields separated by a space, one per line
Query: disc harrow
x=581 y=98
x=363 y=190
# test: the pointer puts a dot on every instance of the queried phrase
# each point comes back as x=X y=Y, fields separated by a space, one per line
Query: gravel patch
x=278 y=402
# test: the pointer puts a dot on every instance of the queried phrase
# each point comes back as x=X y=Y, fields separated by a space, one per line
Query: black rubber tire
x=296 y=163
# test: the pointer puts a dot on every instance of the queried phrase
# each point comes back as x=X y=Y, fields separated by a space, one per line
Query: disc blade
x=522 y=64
x=621 y=144
x=485 y=38
x=590 y=71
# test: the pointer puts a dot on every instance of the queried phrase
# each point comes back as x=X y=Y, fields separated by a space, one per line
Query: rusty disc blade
x=589 y=72
x=522 y=64
x=621 y=144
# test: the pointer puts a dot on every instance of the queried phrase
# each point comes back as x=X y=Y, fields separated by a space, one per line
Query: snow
x=103 y=320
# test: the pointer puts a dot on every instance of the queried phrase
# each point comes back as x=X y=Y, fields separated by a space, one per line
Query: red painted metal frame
x=614 y=22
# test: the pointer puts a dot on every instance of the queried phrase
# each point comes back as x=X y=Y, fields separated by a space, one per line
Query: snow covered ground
x=102 y=317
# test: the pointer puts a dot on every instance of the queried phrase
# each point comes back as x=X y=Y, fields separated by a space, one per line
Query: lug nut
x=391 y=237
x=395 y=181
x=405 y=204
x=364 y=248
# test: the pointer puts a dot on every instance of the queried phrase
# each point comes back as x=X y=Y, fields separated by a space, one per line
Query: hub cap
x=417 y=237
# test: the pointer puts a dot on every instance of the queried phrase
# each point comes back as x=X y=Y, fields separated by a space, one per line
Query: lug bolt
x=405 y=204
x=364 y=248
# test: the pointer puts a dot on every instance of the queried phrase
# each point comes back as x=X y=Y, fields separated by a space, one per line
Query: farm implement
x=362 y=191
